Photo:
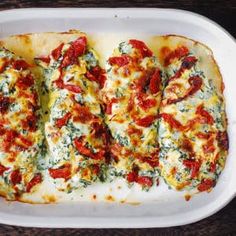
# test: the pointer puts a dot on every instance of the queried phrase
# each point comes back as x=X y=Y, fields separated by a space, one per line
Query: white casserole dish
x=162 y=211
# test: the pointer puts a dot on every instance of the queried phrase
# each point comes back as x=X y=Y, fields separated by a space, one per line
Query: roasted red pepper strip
x=145 y=103
x=195 y=83
x=37 y=179
x=63 y=121
x=206 y=184
x=25 y=82
x=209 y=146
x=86 y=151
x=194 y=166
x=56 y=53
x=132 y=130
x=109 y=105
x=132 y=177
x=30 y=123
x=83 y=114
x=119 y=61
x=4 y=104
x=145 y=181
x=97 y=74
x=155 y=82
x=20 y=65
x=76 y=49
x=188 y=63
x=142 y=47
x=142 y=180
x=176 y=54
x=16 y=177
x=3 y=169
x=208 y=117
x=172 y=121
x=145 y=121
x=62 y=172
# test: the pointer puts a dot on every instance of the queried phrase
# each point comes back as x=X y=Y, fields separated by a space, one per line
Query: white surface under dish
x=168 y=208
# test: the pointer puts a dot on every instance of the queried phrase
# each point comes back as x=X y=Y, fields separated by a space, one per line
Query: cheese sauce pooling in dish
x=76 y=135
x=132 y=94
x=21 y=137
x=192 y=130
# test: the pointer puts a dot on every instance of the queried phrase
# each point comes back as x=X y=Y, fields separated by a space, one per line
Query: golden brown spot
x=187 y=197
x=94 y=197
x=110 y=198
x=119 y=187
x=49 y=198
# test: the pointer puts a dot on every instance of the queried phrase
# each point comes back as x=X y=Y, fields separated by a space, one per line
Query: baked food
x=131 y=95
x=192 y=128
x=21 y=137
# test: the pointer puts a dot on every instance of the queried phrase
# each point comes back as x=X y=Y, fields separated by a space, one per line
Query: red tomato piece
x=4 y=104
x=62 y=172
x=132 y=177
x=109 y=105
x=63 y=121
x=206 y=184
x=213 y=167
x=132 y=130
x=82 y=149
x=10 y=136
x=146 y=121
x=76 y=49
x=179 y=52
x=79 y=46
x=25 y=82
x=83 y=114
x=30 y=123
x=73 y=88
x=187 y=146
x=155 y=82
x=145 y=103
x=175 y=124
x=56 y=53
x=3 y=169
x=196 y=83
x=203 y=135
x=187 y=63
x=142 y=47
x=37 y=179
x=209 y=146
x=208 y=117
x=145 y=181
x=97 y=74
x=20 y=65
x=16 y=177
x=120 y=61
x=194 y=166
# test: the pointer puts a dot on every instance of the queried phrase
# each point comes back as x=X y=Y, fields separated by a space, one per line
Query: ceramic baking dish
x=166 y=209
